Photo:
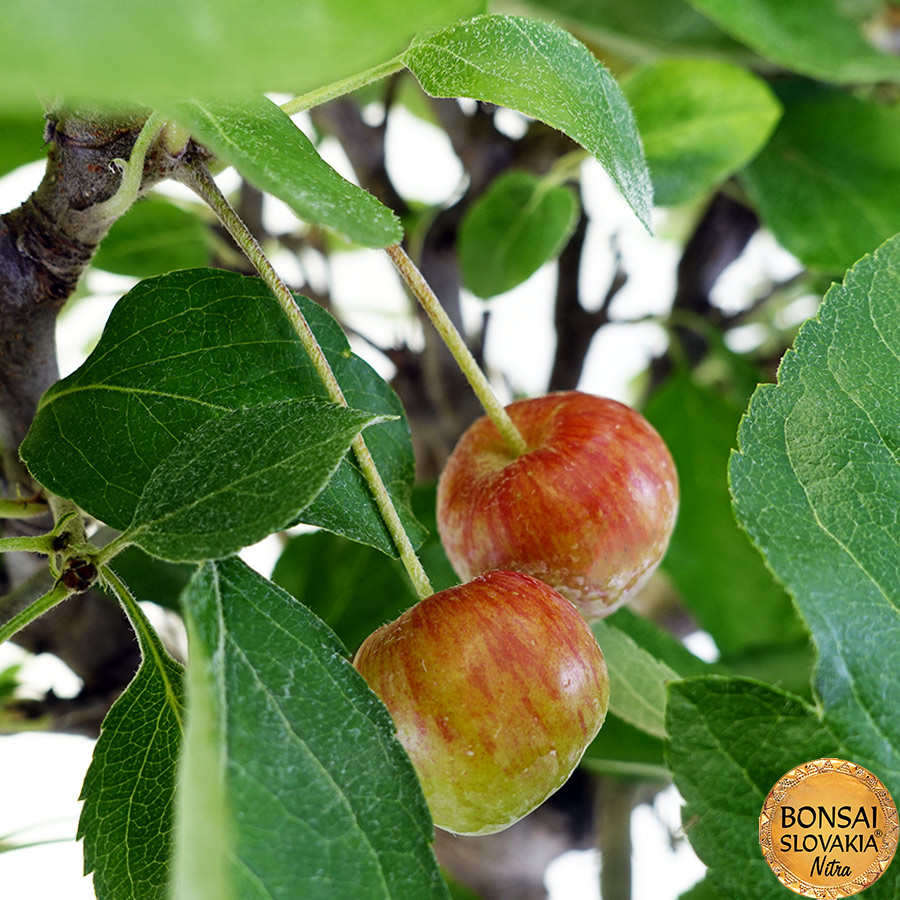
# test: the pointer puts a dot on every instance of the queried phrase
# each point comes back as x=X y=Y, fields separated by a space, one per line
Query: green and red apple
x=496 y=687
x=588 y=509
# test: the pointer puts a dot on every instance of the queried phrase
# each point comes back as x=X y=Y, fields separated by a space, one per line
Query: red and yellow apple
x=588 y=509
x=496 y=687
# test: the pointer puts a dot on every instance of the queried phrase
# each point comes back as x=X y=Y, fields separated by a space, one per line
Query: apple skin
x=589 y=509
x=496 y=687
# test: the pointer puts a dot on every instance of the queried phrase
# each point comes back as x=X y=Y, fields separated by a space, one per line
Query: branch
x=576 y=326
x=718 y=240
x=45 y=246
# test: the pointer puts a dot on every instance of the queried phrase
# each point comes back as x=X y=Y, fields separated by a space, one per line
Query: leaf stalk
x=198 y=178
x=132 y=169
x=345 y=86
x=21 y=508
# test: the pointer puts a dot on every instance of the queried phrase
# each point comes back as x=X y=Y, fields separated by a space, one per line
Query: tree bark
x=45 y=246
x=718 y=240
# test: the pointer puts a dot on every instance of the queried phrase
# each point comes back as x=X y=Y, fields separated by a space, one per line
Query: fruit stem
x=202 y=183
x=346 y=86
x=457 y=346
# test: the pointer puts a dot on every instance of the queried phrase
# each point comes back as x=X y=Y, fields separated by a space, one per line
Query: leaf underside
x=127 y=820
x=270 y=151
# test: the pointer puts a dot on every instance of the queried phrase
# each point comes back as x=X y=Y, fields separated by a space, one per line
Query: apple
x=496 y=687
x=588 y=509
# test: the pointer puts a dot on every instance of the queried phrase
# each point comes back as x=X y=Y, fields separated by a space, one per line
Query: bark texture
x=45 y=246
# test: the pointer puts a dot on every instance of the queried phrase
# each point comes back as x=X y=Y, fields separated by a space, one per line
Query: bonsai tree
x=223 y=404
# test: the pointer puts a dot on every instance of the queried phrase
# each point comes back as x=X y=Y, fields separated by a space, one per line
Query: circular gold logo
x=828 y=829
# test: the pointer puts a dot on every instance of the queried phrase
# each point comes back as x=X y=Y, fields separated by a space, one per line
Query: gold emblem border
x=888 y=844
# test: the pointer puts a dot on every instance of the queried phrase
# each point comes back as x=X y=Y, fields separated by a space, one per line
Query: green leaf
x=715 y=569
x=127 y=818
x=637 y=680
x=353 y=588
x=459 y=891
x=431 y=552
x=23 y=137
x=658 y=642
x=153 y=580
x=544 y=72
x=641 y=658
x=9 y=682
x=154 y=236
x=622 y=750
x=815 y=484
x=325 y=803
x=189 y=346
x=240 y=477
x=810 y=36
x=97 y=50
x=700 y=121
x=269 y=150
x=203 y=835
x=731 y=740
x=519 y=223
x=828 y=183
x=702 y=890
x=346 y=505
x=788 y=666
x=638 y=29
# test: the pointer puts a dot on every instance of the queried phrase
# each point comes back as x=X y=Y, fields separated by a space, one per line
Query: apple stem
x=199 y=180
x=422 y=291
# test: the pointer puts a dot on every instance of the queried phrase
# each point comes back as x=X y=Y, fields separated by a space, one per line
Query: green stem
x=201 y=182
x=146 y=633
x=566 y=168
x=132 y=609
x=19 y=597
x=21 y=508
x=345 y=86
x=151 y=646
x=41 y=543
x=67 y=517
x=55 y=595
x=132 y=170
x=457 y=346
x=113 y=548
